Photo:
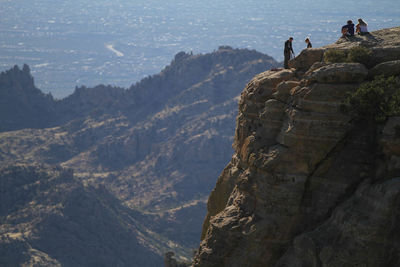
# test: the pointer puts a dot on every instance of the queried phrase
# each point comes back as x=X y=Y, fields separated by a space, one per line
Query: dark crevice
x=351 y=189
x=374 y=148
x=340 y=144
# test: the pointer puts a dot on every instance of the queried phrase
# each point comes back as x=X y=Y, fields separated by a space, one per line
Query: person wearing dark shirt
x=287 y=51
x=348 y=29
x=309 y=45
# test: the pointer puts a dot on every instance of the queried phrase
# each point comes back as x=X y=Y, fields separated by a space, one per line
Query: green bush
x=376 y=100
x=357 y=54
x=335 y=56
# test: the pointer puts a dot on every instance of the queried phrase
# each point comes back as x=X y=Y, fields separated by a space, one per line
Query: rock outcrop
x=307 y=185
x=22 y=105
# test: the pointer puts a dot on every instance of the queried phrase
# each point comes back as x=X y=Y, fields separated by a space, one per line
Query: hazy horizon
x=75 y=43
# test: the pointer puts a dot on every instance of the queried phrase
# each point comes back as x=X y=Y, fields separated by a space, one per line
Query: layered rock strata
x=307 y=186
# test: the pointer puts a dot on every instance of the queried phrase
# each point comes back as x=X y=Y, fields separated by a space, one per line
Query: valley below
x=138 y=163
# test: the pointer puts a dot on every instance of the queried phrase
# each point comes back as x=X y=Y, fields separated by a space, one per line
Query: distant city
x=74 y=43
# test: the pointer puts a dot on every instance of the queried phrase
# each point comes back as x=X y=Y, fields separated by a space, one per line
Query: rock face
x=308 y=186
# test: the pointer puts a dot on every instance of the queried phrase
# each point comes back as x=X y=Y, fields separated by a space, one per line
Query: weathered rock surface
x=360 y=232
x=339 y=73
x=307 y=58
x=307 y=186
x=389 y=68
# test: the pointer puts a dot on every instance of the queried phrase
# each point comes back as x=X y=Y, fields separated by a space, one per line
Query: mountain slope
x=156 y=146
x=49 y=218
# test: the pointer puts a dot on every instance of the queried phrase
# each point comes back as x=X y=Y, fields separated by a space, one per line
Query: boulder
x=340 y=73
x=262 y=86
x=384 y=54
x=389 y=68
x=307 y=58
x=315 y=66
x=283 y=90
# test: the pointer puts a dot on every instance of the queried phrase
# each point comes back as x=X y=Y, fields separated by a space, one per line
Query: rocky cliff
x=308 y=185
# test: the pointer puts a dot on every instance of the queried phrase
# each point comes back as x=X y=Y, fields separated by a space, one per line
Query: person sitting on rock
x=348 y=29
x=361 y=27
x=309 y=45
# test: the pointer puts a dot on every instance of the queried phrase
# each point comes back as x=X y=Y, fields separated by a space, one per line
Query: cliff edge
x=308 y=185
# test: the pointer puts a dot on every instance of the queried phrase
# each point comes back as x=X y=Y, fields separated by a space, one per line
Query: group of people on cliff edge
x=347 y=31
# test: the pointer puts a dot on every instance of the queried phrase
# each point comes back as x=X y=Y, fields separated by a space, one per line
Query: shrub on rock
x=358 y=54
x=376 y=100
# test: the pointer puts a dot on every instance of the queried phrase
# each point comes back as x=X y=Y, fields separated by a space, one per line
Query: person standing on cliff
x=287 y=52
x=309 y=45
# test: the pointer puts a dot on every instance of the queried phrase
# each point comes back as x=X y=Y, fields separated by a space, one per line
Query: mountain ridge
x=155 y=147
x=104 y=99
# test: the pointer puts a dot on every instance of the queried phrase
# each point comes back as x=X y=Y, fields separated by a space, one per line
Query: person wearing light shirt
x=361 y=27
